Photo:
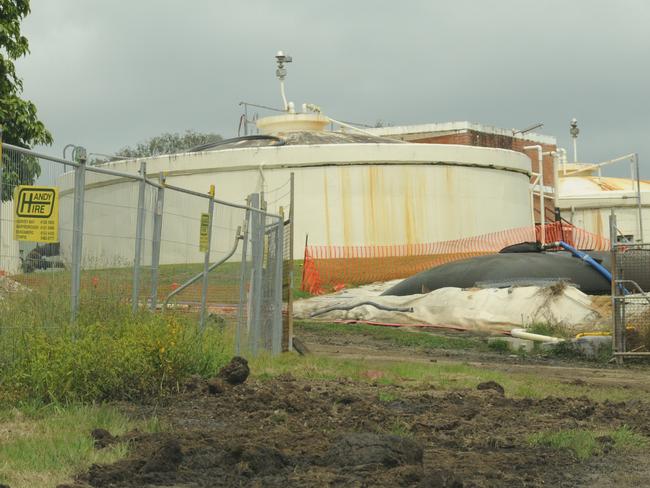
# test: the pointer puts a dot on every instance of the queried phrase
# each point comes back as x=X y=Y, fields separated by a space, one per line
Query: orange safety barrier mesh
x=332 y=267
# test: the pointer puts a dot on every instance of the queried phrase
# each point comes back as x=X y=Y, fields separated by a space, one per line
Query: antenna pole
x=281 y=73
x=574 y=131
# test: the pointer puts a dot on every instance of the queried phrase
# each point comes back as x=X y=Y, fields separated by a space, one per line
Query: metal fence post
x=242 y=282
x=617 y=307
x=206 y=261
x=257 y=250
x=155 y=245
x=276 y=319
x=77 y=236
x=291 y=270
x=139 y=233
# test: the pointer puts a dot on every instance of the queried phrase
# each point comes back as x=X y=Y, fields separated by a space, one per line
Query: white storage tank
x=351 y=189
x=587 y=200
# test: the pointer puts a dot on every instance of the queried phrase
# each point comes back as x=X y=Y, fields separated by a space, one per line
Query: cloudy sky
x=110 y=73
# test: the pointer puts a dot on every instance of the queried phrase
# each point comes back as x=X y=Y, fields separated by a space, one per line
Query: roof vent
x=280 y=124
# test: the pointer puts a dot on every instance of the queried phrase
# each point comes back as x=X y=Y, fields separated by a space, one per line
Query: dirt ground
x=364 y=346
x=293 y=432
x=287 y=432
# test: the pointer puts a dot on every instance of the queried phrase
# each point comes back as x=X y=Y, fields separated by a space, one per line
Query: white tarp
x=487 y=309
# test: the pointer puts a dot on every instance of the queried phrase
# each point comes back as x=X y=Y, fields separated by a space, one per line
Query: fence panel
x=109 y=237
x=631 y=314
x=120 y=239
x=33 y=265
x=30 y=270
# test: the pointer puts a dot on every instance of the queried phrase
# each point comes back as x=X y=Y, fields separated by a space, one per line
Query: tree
x=169 y=143
x=18 y=118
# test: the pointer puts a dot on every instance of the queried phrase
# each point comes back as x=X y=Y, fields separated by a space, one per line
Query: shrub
x=109 y=356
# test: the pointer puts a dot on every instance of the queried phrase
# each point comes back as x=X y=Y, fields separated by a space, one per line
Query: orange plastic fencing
x=329 y=268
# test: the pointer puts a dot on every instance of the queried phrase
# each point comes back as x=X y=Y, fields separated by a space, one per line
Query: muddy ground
x=288 y=432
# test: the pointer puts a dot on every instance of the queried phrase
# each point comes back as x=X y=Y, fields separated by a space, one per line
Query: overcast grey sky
x=110 y=73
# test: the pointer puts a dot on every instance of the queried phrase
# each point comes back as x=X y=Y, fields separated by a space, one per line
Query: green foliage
x=586 y=443
x=549 y=329
x=108 y=354
x=387 y=396
x=169 y=143
x=499 y=345
x=18 y=117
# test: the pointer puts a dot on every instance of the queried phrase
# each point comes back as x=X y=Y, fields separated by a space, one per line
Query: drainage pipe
x=522 y=334
x=540 y=170
x=350 y=307
x=563 y=159
x=197 y=277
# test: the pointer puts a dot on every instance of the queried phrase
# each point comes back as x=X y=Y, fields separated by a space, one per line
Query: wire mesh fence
x=109 y=237
x=631 y=313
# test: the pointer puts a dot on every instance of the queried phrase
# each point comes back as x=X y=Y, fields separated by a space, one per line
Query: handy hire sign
x=36 y=213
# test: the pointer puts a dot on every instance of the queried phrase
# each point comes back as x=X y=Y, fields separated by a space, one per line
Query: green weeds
x=108 y=354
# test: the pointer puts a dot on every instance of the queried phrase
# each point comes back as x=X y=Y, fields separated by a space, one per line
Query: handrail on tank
x=39 y=155
x=197 y=277
x=222 y=202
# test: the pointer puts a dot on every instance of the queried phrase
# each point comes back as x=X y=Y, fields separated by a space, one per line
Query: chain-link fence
x=631 y=300
x=89 y=234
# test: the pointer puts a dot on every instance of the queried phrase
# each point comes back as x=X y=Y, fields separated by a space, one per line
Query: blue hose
x=586 y=258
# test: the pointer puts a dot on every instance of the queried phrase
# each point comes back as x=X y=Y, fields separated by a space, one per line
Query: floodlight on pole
x=281 y=73
x=574 y=131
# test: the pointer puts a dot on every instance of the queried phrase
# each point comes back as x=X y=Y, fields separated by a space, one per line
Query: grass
x=46 y=446
x=585 y=443
x=396 y=336
x=438 y=376
x=550 y=329
x=109 y=280
x=108 y=354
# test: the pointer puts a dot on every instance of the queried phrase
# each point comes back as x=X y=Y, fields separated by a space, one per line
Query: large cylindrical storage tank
x=587 y=202
x=351 y=189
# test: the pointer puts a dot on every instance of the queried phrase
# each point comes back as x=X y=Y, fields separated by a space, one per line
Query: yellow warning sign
x=36 y=213
x=203 y=236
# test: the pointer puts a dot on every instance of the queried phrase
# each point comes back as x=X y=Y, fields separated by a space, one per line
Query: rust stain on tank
x=327 y=209
x=598 y=223
x=370 y=194
x=346 y=207
x=409 y=217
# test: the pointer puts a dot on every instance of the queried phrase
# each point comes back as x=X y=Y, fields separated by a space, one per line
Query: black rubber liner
x=510 y=269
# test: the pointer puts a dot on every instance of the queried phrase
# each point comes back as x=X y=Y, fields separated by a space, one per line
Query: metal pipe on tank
x=563 y=160
x=638 y=196
x=555 y=155
x=540 y=169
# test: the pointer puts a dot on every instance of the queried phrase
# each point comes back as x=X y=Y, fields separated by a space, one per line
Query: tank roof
x=299 y=138
x=590 y=185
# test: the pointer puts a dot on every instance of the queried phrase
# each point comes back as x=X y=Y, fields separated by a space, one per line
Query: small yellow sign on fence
x=36 y=213
x=203 y=236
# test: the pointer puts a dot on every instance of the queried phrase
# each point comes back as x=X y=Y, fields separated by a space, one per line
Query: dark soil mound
x=491 y=385
x=102 y=438
x=293 y=433
x=365 y=448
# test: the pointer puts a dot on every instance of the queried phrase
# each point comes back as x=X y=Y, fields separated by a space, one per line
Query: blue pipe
x=586 y=258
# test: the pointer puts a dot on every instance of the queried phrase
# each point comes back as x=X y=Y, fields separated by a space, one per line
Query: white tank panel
x=345 y=194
